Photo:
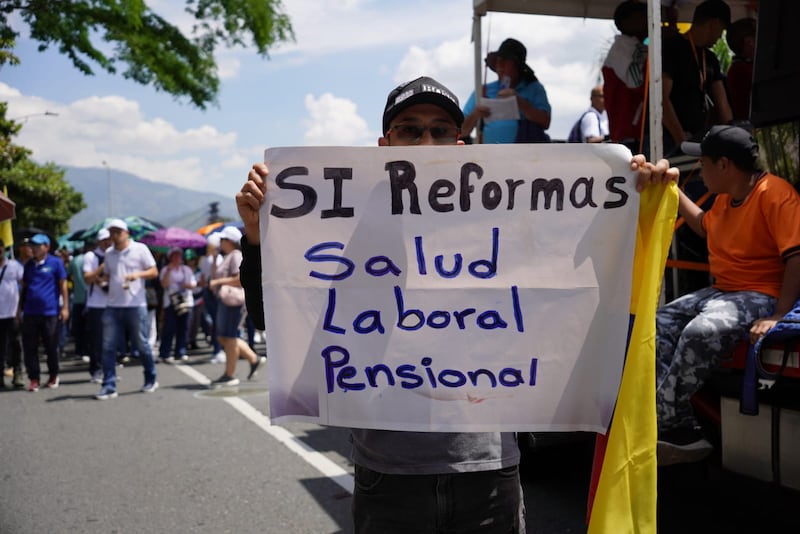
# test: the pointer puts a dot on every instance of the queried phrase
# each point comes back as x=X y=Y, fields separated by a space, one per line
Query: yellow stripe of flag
x=5 y=228
x=625 y=500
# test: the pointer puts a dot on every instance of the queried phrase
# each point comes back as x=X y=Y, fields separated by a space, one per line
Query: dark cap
x=731 y=142
x=423 y=90
x=511 y=49
x=627 y=9
x=713 y=9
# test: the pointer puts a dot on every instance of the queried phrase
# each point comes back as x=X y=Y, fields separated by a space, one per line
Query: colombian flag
x=622 y=496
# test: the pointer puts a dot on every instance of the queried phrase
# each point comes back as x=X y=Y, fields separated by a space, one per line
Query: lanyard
x=697 y=62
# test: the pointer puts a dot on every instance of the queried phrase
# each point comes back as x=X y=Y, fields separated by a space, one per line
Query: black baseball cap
x=713 y=9
x=423 y=90
x=731 y=142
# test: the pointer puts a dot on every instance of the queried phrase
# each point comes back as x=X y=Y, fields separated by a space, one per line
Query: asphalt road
x=188 y=459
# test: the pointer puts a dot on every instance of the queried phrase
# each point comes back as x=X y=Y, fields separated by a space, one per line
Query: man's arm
x=790 y=293
x=723 y=107
x=529 y=111
x=248 y=202
x=62 y=285
x=691 y=213
x=670 y=118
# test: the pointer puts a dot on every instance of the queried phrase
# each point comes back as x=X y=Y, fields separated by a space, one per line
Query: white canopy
x=601 y=9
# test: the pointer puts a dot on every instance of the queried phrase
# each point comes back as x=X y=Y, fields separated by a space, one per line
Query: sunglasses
x=412 y=133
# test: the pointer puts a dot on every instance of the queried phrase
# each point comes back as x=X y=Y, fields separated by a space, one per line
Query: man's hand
x=761 y=327
x=649 y=173
x=249 y=200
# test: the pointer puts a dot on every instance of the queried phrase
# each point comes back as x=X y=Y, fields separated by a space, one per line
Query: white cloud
x=335 y=121
x=86 y=132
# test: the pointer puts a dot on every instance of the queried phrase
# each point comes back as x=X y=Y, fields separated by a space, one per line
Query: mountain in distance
x=133 y=195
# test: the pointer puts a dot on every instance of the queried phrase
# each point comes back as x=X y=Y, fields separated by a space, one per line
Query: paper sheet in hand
x=448 y=288
x=501 y=109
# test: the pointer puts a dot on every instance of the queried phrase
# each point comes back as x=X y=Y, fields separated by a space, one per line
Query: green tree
x=44 y=199
x=153 y=51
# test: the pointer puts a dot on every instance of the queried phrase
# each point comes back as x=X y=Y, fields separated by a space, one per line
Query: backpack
x=575 y=133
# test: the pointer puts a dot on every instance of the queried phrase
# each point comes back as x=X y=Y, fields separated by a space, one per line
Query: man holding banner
x=409 y=479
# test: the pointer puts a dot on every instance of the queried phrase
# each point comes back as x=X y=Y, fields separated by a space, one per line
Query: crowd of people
x=116 y=299
x=696 y=93
x=418 y=481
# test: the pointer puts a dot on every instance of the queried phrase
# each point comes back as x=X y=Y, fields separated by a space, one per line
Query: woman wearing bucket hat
x=178 y=281
x=515 y=79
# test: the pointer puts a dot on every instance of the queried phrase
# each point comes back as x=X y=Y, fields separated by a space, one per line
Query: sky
x=328 y=87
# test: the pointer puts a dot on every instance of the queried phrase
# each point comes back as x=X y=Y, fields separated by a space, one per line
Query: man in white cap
x=127 y=265
x=96 y=299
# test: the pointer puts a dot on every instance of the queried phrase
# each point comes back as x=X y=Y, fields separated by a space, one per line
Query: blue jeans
x=175 y=327
x=481 y=501
x=117 y=323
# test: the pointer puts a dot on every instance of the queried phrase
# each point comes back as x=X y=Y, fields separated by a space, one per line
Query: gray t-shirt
x=427 y=453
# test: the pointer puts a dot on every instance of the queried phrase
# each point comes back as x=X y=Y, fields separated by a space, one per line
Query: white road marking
x=314 y=458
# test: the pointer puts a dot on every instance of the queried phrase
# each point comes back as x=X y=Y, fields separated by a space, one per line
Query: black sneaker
x=682 y=445
x=225 y=380
x=255 y=366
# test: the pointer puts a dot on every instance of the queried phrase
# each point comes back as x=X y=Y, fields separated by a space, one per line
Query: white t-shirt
x=206 y=262
x=95 y=296
x=133 y=258
x=177 y=278
x=9 y=288
x=591 y=126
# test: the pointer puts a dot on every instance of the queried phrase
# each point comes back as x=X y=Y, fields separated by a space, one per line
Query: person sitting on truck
x=753 y=236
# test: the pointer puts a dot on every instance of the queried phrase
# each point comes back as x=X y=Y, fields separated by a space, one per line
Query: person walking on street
x=96 y=300
x=127 y=265
x=229 y=317
x=78 y=327
x=210 y=262
x=44 y=282
x=10 y=277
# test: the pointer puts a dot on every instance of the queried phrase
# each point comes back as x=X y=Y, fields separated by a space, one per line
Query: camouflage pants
x=692 y=333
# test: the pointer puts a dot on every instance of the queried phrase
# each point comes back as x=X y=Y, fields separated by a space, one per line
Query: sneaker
x=34 y=385
x=106 y=393
x=183 y=357
x=97 y=377
x=150 y=387
x=682 y=445
x=17 y=381
x=255 y=366
x=53 y=382
x=168 y=359
x=218 y=357
x=225 y=380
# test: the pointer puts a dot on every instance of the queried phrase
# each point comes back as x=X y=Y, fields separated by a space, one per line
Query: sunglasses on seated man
x=412 y=133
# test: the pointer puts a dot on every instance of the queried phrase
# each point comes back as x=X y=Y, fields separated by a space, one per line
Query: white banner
x=448 y=288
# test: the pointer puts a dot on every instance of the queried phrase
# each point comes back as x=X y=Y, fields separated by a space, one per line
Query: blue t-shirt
x=506 y=131
x=42 y=286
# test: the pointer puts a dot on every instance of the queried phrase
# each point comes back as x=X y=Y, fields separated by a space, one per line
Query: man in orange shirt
x=753 y=236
